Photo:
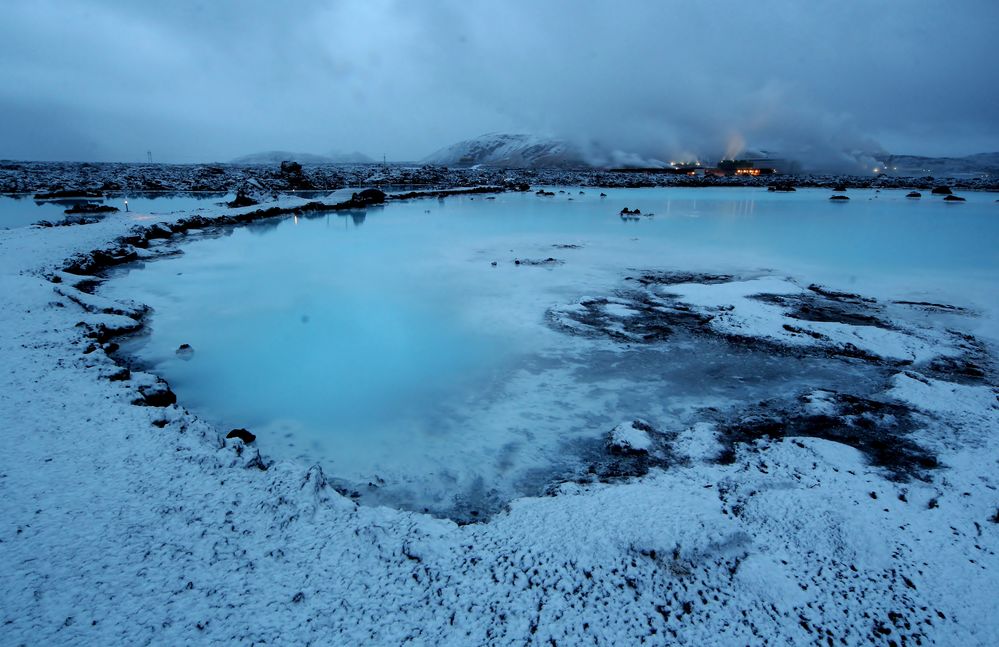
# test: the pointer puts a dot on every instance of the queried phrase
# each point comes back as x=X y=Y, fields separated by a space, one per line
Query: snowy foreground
x=126 y=524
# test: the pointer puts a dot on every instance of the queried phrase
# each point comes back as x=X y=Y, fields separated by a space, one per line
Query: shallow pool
x=405 y=350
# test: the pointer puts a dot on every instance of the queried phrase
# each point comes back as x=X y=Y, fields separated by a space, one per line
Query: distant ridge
x=510 y=151
x=276 y=157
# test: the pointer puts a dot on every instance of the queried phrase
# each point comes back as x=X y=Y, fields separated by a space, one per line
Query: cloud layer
x=197 y=81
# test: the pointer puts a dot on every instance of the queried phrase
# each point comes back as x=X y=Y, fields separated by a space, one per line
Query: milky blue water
x=24 y=210
x=386 y=346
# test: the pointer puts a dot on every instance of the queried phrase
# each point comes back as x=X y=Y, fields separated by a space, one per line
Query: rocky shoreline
x=42 y=179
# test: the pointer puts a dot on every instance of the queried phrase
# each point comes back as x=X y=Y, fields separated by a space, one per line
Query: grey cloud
x=212 y=80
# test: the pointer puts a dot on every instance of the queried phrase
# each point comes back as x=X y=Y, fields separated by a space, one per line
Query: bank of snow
x=124 y=524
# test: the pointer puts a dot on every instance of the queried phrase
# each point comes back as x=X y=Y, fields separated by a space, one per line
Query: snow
x=736 y=311
x=510 y=151
x=119 y=531
x=631 y=436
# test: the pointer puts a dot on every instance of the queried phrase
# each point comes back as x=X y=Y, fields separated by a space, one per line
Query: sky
x=109 y=80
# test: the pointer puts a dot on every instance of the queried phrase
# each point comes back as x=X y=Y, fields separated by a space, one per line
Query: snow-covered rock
x=631 y=438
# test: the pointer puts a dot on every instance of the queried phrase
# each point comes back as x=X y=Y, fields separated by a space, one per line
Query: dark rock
x=839 y=197
x=953 y=198
x=241 y=200
x=298 y=598
x=242 y=434
x=782 y=187
x=291 y=168
x=121 y=375
x=913 y=194
x=878 y=429
x=157 y=395
x=941 y=190
x=961 y=370
x=537 y=261
x=185 y=351
x=88 y=207
x=368 y=196
x=840 y=188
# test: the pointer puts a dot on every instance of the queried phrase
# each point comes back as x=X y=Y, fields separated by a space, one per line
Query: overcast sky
x=202 y=81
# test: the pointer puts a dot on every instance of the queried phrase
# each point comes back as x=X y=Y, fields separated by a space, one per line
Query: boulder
x=913 y=194
x=631 y=438
x=241 y=200
x=242 y=434
x=291 y=168
x=839 y=198
x=953 y=198
x=156 y=395
x=941 y=190
x=368 y=196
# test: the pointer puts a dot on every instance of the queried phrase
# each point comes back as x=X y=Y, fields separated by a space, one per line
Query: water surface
x=385 y=345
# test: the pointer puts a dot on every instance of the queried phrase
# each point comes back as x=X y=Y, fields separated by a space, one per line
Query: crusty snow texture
x=116 y=530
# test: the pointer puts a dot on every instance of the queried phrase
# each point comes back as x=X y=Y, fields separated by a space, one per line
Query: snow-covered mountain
x=512 y=151
x=276 y=157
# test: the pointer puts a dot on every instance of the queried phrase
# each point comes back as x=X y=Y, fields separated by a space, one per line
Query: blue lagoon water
x=386 y=346
x=24 y=210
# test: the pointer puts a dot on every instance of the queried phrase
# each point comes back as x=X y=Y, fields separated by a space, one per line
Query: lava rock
x=185 y=351
x=941 y=190
x=368 y=196
x=839 y=197
x=241 y=200
x=157 y=395
x=91 y=208
x=953 y=198
x=913 y=194
x=242 y=434
x=291 y=168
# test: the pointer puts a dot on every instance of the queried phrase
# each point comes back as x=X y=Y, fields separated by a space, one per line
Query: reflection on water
x=399 y=355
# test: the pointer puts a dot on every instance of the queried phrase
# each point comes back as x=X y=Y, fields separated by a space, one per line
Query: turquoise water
x=386 y=346
x=24 y=210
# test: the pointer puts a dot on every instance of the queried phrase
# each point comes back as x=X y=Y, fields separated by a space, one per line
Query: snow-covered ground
x=140 y=524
